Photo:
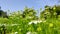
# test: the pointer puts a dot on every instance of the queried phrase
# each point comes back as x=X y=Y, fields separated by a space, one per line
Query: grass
x=51 y=26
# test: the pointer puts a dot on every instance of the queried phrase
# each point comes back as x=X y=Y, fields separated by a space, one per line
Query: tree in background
x=3 y=14
x=50 y=12
x=29 y=13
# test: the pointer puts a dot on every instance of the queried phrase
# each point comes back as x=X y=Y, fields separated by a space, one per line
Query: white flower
x=15 y=32
x=35 y=21
x=3 y=24
x=30 y=22
x=28 y=33
x=31 y=32
x=40 y=21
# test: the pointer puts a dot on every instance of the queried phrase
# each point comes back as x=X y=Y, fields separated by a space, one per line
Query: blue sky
x=15 y=5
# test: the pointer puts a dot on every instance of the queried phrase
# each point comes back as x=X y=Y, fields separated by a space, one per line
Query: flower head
x=28 y=32
x=35 y=21
x=16 y=32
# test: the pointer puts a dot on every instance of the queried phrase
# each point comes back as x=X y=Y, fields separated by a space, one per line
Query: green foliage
x=28 y=22
x=50 y=12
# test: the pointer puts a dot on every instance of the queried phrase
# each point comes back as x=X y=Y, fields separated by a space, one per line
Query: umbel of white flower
x=31 y=32
x=28 y=33
x=35 y=21
x=16 y=33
